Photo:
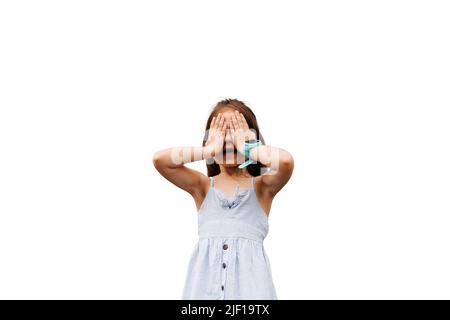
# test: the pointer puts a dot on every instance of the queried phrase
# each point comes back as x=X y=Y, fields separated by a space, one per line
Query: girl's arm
x=281 y=164
x=280 y=161
x=170 y=162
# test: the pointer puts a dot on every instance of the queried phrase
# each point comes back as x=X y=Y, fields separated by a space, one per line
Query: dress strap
x=211 y=182
x=252 y=182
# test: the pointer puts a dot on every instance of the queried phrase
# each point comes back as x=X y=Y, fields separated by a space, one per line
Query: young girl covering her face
x=233 y=202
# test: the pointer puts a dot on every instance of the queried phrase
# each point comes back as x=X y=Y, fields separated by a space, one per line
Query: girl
x=229 y=260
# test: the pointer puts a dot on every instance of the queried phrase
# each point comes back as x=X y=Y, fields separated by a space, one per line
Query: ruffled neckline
x=231 y=202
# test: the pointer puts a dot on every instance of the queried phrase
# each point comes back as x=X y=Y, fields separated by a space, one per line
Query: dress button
x=225 y=247
x=224 y=265
x=222 y=288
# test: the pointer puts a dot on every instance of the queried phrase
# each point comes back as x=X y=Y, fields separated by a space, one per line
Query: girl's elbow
x=287 y=161
x=157 y=158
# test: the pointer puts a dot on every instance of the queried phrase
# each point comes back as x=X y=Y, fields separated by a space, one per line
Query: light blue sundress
x=229 y=261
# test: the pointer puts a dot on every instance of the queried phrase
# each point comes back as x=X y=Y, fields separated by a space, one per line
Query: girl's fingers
x=224 y=126
x=218 y=119
x=231 y=130
x=211 y=128
x=244 y=122
x=222 y=123
x=235 y=121
x=225 y=123
x=231 y=127
x=239 y=120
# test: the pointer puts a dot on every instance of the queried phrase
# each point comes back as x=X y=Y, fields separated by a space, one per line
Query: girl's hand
x=216 y=136
x=240 y=131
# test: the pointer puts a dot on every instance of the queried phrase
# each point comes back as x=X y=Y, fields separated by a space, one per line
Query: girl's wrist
x=207 y=152
x=240 y=147
x=241 y=142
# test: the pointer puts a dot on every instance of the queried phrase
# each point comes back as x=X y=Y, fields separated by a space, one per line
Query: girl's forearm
x=178 y=156
x=272 y=157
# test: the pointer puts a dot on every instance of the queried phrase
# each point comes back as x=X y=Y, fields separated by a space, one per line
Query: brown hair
x=256 y=169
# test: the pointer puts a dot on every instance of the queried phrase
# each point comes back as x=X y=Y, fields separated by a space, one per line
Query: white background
x=356 y=91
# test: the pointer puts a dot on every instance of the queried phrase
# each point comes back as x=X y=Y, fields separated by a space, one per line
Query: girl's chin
x=230 y=165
